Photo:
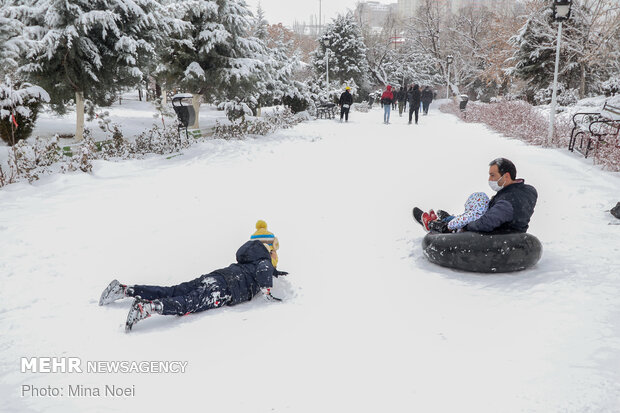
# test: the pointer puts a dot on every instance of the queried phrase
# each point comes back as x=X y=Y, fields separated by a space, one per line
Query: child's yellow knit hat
x=265 y=236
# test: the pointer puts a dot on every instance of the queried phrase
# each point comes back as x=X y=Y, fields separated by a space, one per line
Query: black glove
x=277 y=273
x=267 y=295
x=438 y=226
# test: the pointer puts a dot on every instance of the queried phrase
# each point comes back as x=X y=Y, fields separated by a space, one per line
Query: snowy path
x=368 y=324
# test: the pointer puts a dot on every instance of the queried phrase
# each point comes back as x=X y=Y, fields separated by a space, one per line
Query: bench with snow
x=595 y=128
x=326 y=111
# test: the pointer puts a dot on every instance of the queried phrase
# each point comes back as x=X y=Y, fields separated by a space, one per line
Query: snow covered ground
x=367 y=325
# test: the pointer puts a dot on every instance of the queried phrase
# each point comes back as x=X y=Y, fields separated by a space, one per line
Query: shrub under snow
x=519 y=119
x=31 y=159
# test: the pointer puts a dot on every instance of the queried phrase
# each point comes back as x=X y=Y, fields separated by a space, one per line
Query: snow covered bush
x=30 y=161
x=160 y=140
x=361 y=107
x=543 y=96
x=19 y=106
x=519 y=119
x=565 y=97
x=515 y=118
x=296 y=103
x=235 y=110
x=278 y=119
x=611 y=86
x=568 y=97
x=117 y=147
x=83 y=155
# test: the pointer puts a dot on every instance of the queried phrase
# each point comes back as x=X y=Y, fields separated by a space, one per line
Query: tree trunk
x=582 y=86
x=196 y=104
x=157 y=90
x=140 y=94
x=79 y=108
x=164 y=96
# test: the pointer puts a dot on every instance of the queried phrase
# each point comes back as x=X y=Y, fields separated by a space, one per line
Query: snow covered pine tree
x=91 y=50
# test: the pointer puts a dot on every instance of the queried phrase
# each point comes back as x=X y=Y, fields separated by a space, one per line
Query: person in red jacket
x=386 y=100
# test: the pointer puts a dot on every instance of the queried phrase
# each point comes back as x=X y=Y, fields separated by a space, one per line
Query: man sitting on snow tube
x=509 y=210
x=500 y=244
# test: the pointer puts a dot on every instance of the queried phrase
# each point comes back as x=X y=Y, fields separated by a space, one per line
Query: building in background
x=374 y=14
x=408 y=8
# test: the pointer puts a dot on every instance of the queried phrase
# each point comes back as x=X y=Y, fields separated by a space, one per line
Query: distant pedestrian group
x=412 y=97
x=391 y=98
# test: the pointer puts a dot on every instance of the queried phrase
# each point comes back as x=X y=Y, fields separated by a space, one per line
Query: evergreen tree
x=216 y=58
x=347 y=52
x=19 y=101
x=91 y=50
x=282 y=61
x=535 y=44
x=409 y=65
x=260 y=27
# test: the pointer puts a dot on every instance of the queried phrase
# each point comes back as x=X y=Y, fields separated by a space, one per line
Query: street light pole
x=561 y=12
x=449 y=61
x=327 y=66
x=555 y=88
x=448 y=83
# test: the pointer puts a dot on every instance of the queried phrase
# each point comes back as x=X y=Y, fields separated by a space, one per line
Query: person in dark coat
x=509 y=210
x=413 y=98
x=345 y=102
x=402 y=100
x=239 y=282
x=427 y=98
x=512 y=207
x=386 y=101
x=395 y=99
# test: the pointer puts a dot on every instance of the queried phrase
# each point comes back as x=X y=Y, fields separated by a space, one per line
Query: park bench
x=592 y=129
x=326 y=111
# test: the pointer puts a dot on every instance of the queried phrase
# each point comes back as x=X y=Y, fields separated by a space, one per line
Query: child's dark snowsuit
x=227 y=286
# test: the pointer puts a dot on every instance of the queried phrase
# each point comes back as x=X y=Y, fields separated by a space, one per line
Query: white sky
x=287 y=11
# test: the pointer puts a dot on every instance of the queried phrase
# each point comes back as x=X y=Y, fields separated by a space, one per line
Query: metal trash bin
x=182 y=105
x=463 y=102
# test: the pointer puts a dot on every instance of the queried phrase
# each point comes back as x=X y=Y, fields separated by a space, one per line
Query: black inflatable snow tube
x=472 y=251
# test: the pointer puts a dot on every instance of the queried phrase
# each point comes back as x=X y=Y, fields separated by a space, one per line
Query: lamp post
x=561 y=12
x=450 y=59
x=327 y=66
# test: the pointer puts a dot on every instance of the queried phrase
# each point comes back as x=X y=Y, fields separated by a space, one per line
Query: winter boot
x=141 y=309
x=417 y=215
x=433 y=215
x=115 y=291
x=426 y=219
x=441 y=214
x=615 y=211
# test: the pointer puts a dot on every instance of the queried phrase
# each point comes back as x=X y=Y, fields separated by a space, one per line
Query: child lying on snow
x=256 y=265
x=475 y=207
